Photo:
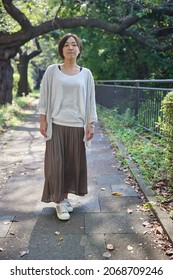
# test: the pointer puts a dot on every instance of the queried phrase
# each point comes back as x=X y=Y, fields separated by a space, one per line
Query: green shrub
x=128 y=118
x=166 y=126
x=15 y=82
x=147 y=152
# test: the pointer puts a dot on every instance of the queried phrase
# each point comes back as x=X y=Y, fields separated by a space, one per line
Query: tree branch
x=19 y=38
x=144 y=40
x=59 y=9
x=33 y=54
x=127 y=22
x=16 y=14
x=37 y=44
x=88 y=22
x=36 y=52
x=113 y=28
x=163 y=9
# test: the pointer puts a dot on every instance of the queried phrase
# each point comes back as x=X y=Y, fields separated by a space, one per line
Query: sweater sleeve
x=44 y=87
x=92 y=117
x=45 y=100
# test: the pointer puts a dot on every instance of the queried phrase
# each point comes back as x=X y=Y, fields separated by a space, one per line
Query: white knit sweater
x=67 y=100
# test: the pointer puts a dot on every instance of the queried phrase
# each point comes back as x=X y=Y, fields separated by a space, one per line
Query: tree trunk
x=23 y=87
x=40 y=73
x=6 y=81
x=24 y=58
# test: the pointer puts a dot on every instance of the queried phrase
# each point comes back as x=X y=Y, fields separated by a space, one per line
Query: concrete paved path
x=28 y=226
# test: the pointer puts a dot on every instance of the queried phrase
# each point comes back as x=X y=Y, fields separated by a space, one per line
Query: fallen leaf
x=144 y=209
x=159 y=230
x=127 y=181
x=14 y=221
x=23 y=173
x=126 y=169
x=161 y=242
x=169 y=252
x=110 y=247
x=24 y=253
x=59 y=236
x=129 y=248
x=147 y=224
x=116 y=193
x=129 y=211
x=107 y=255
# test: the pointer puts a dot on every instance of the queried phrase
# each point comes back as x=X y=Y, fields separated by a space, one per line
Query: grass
x=145 y=150
x=13 y=114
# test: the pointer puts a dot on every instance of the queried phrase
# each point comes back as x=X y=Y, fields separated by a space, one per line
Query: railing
x=144 y=102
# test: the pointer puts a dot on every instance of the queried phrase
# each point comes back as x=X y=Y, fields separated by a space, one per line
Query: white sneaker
x=62 y=212
x=68 y=205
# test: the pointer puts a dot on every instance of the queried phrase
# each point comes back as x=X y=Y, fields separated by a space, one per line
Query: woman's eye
x=74 y=45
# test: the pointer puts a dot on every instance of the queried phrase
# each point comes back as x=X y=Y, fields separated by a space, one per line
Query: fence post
x=137 y=99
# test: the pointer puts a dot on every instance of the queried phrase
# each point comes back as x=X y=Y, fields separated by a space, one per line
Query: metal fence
x=144 y=102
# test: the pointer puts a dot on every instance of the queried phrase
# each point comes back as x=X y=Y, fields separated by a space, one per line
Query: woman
x=67 y=112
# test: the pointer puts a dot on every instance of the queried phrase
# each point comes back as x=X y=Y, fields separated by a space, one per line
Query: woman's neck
x=69 y=64
x=70 y=68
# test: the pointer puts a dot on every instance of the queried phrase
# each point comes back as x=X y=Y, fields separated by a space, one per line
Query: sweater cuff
x=41 y=111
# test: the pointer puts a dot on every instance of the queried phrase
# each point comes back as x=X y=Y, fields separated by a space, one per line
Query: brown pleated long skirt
x=65 y=164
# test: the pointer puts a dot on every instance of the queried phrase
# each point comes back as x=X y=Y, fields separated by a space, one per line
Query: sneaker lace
x=63 y=209
x=66 y=202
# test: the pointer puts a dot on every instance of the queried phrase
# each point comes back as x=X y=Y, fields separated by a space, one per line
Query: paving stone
x=140 y=245
x=114 y=223
x=114 y=204
x=48 y=223
x=94 y=246
x=101 y=166
x=73 y=246
x=97 y=191
x=111 y=179
x=125 y=190
x=45 y=244
x=5 y=224
x=50 y=248
x=13 y=247
x=87 y=204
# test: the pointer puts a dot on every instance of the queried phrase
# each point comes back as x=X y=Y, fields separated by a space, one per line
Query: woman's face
x=70 y=49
